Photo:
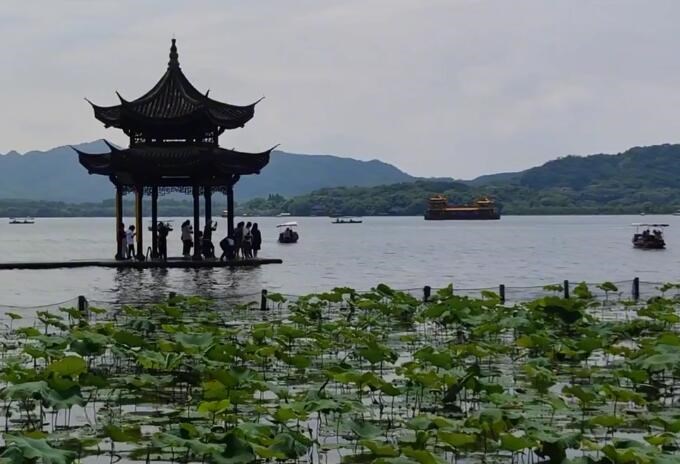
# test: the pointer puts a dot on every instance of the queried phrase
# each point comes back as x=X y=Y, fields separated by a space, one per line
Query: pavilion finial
x=174 y=57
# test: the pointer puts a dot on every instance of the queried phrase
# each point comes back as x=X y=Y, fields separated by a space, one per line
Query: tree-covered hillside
x=640 y=179
x=643 y=179
x=640 y=168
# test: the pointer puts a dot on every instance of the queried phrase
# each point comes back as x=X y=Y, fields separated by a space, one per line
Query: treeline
x=411 y=199
x=642 y=179
x=639 y=180
x=406 y=199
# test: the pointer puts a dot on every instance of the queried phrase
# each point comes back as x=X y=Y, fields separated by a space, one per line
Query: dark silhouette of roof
x=173 y=161
x=172 y=103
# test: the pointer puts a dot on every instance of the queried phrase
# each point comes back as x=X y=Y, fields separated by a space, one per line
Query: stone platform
x=172 y=263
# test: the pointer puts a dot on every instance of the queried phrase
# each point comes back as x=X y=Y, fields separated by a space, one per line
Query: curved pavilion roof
x=171 y=104
x=173 y=164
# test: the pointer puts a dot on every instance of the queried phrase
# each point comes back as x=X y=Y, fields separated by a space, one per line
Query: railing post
x=501 y=293
x=263 y=300
x=566 y=289
x=427 y=291
x=636 y=288
x=83 y=306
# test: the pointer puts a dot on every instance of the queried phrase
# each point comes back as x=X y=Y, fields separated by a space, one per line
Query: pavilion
x=173 y=131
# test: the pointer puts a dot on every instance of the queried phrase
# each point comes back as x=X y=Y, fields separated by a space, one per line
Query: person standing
x=130 y=241
x=187 y=242
x=163 y=231
x=238 y=238
x=247 y=242
x=256 y=240
x=207 y=247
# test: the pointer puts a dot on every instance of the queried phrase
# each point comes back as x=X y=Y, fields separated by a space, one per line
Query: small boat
x=26 y=220
x=347 y=220
x=289 y=235
x=649 y=239
x=225 y=213
x=283 y=215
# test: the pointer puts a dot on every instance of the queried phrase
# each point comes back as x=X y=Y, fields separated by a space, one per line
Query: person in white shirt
x=247 y=242
x=130 y=241
x=187 y=239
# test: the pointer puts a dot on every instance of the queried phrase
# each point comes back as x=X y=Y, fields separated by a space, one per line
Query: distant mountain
x=489 y=179
x=52 y=175
x=656 y=166
x=56 y=175
x=289 y=174
x=642 y=179
x=653 y=167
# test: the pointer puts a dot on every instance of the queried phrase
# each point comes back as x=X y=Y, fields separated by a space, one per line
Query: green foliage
x=22 y=449
x=379 y=377
x=641 y=179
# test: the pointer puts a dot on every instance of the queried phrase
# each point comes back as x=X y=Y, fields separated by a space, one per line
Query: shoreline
x=357 y=215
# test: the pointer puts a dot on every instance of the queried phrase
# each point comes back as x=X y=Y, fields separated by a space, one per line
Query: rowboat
x=289 y=234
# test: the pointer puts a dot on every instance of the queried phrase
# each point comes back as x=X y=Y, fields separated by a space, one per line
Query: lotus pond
x=347 y=377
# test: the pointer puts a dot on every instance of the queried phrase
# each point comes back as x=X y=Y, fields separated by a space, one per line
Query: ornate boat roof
x=173 y=102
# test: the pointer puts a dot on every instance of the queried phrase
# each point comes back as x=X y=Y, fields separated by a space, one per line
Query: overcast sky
x=439 y=88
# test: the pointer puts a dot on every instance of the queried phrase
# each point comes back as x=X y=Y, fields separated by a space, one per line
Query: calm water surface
x=404 y=252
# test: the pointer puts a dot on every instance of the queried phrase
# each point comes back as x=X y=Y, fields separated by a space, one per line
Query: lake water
x=404 y=252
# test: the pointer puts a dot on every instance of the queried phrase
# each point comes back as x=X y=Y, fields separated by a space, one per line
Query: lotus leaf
x=68 y=366
x=422 y=456
x=130 y=434
x=457 y=440
x=22 y=449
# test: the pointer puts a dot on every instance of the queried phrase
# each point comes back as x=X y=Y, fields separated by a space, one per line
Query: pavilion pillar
x=208 y=206
x=197 y=225
x=139 y=193
x=230 y=210
x=154 y=222
x=120 y=228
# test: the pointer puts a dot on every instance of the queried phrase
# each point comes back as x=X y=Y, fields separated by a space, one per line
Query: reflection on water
x=404 y=252
x=144 y=285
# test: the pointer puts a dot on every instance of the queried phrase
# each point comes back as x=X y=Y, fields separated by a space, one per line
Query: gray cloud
x=455 y=88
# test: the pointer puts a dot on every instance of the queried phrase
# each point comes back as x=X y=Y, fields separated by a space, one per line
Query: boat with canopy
x=289 y=234
x=649 y=236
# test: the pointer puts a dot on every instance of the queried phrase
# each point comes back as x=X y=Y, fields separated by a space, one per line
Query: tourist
x=130 y=241
x=163 y=231
x=187 y=242
x=247 y=242
x=257 y=239
x=227 y=246
x=207 y=247
x=238 y=237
